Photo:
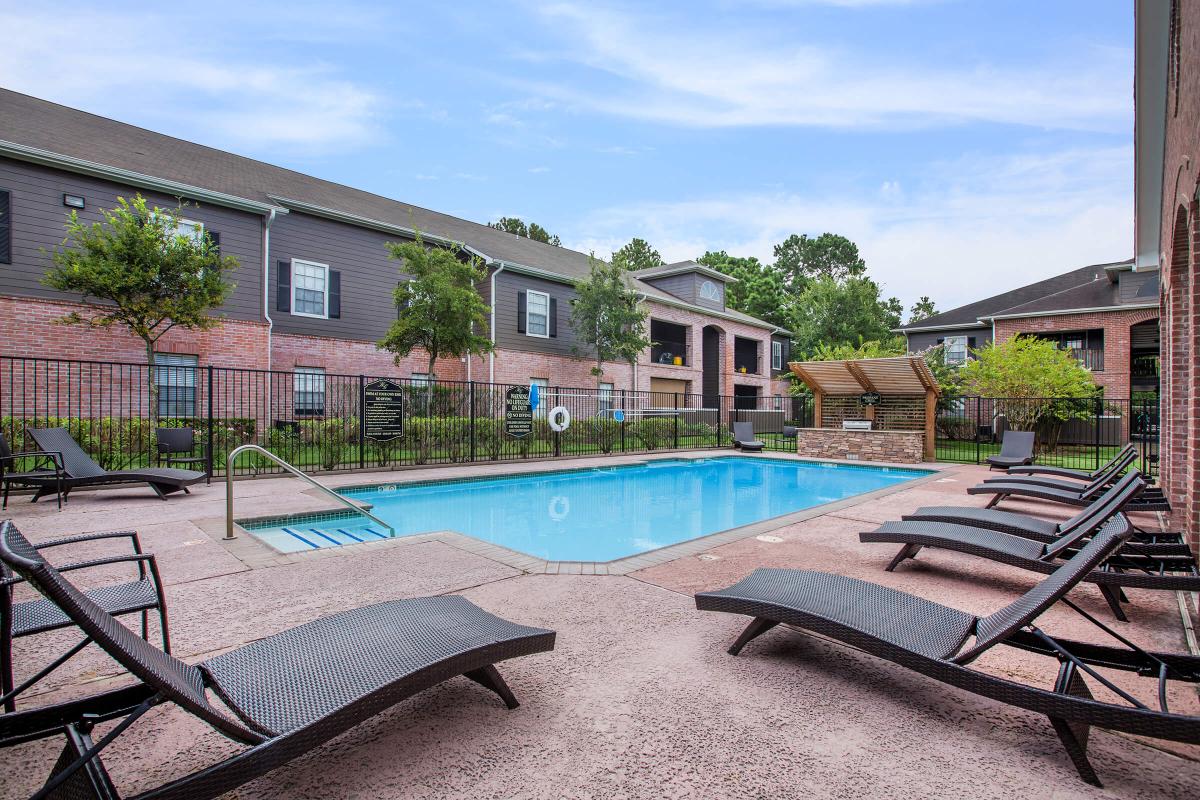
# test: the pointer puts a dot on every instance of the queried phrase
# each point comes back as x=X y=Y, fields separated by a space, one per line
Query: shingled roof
x=60 y=130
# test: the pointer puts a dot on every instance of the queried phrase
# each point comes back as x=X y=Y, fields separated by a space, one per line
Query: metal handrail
x=237 y=451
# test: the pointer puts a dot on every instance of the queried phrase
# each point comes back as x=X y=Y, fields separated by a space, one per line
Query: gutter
x=1065 y=311
x=80 y=166
x=266 y=279
x=922 y=329
x=492 y=331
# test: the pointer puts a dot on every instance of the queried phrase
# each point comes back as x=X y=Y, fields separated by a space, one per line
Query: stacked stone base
x=897 y=447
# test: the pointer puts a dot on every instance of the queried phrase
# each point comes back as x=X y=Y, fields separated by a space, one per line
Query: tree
x=1033 y=376
x=638 y=254
x=924 y=308
x=864 y=348
x=832 y=313
x=152 y=273
x=606 y=317
x=439 y=308
x=801 y=260
x=758 y=290
x=517 y=227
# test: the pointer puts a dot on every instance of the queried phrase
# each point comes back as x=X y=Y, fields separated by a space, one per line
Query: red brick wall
x=1116 y=324
x=348 y=357
x=1180 y=257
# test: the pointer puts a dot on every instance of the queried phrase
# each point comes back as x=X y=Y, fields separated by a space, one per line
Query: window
x=604 y=401
x=956 y=350
x=543 y=398
x=310 y=294
x=420 y=379
x=175 y=377
x=182 y=227
x=710 y=291
x=308 y=385
x=537 y=314
x=776 y=355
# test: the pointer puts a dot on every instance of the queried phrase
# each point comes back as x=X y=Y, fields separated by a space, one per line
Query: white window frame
x=420 y=379
x=172 y=373
x=604 y=398
x=529 y=295
x=966 y=352
x=714 y=295
x=296 y=286
x=308 y=373
x=543 y=385
x=776 y=355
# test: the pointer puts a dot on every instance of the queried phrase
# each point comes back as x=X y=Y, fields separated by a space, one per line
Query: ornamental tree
x=606 y=317
x=439 y=309
x=151 y=272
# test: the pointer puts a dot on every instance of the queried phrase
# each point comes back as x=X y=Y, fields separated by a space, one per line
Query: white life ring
x=559 y=419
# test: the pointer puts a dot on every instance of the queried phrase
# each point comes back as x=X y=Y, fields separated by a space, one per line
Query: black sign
x=518 y=412
x=869 y=399
x=383 y=410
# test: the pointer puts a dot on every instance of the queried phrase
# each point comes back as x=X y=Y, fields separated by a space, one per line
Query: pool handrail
x=237 y=451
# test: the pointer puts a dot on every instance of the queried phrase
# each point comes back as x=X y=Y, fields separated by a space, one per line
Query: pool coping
x=255 y=553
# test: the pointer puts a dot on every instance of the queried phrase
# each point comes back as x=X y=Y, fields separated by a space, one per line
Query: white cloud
x=974 y=227
x=664 y=69
x=145 y=67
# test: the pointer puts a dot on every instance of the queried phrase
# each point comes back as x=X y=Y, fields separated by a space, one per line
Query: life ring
x=559 y=508
x=559 y=419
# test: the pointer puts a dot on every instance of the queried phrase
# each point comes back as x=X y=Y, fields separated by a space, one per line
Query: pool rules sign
x=518 y=412
x=383 y=410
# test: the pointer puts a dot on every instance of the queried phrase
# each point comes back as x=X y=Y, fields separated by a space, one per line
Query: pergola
x=901 y=376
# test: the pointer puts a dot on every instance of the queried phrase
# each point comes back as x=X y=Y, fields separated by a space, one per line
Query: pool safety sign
x=518 y=412
x=383 y=410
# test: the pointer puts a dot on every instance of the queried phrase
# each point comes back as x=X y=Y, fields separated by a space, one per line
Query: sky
x=966 y=146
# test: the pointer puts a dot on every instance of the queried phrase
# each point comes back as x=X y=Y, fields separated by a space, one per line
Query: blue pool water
x=596 y=514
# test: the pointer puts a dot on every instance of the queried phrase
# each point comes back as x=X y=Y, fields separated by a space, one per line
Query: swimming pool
x=592 y=514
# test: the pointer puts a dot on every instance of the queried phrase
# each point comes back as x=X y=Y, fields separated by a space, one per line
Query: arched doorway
x=1177 y=364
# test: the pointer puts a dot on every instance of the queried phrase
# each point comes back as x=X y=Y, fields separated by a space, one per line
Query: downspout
x=266 y=281
x=492 y=332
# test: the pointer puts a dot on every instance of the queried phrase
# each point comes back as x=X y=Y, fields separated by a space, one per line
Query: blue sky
x=968 y=146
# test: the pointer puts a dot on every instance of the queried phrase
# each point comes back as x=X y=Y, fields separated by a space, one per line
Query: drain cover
x=708 y=557
x=769 y=539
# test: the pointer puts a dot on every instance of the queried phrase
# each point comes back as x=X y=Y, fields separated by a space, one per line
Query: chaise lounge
x=743 y=437
x=1084 y=475
x=932 y=639
x=1075 y=494
x=285 y=694
x=74 y=468
x=1016 y=448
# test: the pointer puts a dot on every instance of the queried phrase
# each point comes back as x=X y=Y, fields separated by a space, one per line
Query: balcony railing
x=1091 y=358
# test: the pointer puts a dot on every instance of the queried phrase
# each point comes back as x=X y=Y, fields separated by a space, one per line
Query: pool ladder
x=247 y=448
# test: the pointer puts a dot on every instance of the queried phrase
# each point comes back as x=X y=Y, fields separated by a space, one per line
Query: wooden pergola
x=906 y=376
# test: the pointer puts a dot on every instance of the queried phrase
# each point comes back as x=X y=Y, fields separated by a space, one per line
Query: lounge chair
x=1075 y=494
x=1103 y=477
x=931 y=639
x=31 y=617
x=743 y=437
x=1016 y=448
x=78 y=469
x=1046 y=531
x=1084 y=475
x=46 y=470
x=285 y=694
x=1128 y=567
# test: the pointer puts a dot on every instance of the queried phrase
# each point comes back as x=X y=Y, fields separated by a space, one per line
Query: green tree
x=517 y=227
x=759 y=290
x=864 y=348
x=924 y=308
x=606 y=317
x=152 y=273
x=831 y=313
x=638 y=254
x=1033 y=375
x=801 y=260
x=439 y=308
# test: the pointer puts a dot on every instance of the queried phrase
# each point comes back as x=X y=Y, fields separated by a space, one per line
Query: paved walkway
x=639 y=700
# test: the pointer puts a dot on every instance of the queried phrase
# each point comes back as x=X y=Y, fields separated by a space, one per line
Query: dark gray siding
x=39 y=220
x=923 y=340
x=508 y=284
x=368 y=276
x=686 y=286
x=1138 y=287
x=787 y=353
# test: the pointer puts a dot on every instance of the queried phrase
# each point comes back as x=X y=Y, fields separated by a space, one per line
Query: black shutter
x=971 y=342
x=335 y=294
x=940 y=340
x=215 y=238
x=5 y=227
x=520 y=312
x=553 y=317
x=283 y=287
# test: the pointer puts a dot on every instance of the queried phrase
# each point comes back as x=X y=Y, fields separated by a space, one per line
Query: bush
x=603 y=432
x=653 y=432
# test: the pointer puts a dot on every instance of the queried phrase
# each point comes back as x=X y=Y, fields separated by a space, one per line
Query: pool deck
x=639 y=700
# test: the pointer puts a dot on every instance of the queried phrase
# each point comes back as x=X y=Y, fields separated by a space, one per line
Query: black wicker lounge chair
x=78 y=469
x=1075 y=494
x=285 y=694
x=1084 y=475
x=743 y=437
x=31 y=617
x=1103 y=477
x=931 y=639
x=1015 y=449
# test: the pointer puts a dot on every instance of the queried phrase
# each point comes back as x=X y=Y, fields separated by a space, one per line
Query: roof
x=1078 y=289
x=680 y=267
x=35 y=125
x=901 y=375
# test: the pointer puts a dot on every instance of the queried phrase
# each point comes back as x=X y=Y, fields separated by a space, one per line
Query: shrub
x=653 y=432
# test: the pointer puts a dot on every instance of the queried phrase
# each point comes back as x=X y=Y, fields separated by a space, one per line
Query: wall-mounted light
x=73 y=200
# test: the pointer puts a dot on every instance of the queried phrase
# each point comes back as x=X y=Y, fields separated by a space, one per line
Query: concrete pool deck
x=639 y=699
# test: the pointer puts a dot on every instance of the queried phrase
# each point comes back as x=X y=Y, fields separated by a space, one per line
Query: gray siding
x=787 y=353
x=686 y=286
x=508 y=284
x=923 y=340
x=39 y=220
x=1138 y=287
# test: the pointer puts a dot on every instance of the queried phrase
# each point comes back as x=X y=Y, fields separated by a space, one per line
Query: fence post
x=624 y=416
x=1099 y=411
x=978 y=425
x=362 y=421
x=677 y=420
x=471 y=409
x=208 y=458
